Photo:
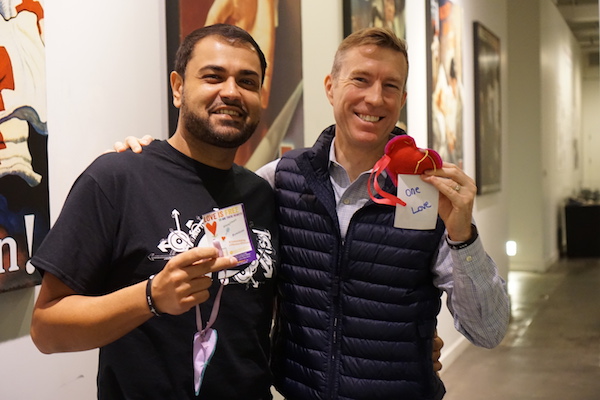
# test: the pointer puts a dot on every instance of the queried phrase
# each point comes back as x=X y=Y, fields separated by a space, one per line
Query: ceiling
x=582 y=17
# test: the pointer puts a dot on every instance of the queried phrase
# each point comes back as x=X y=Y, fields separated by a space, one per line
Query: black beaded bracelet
x=149 y=298
x=462 y=245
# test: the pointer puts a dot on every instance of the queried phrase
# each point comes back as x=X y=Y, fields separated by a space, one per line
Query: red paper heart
x=212 y=227
x=407 y=158
x=402 y=157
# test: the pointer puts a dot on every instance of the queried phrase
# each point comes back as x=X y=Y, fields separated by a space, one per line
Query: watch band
x=462 y=245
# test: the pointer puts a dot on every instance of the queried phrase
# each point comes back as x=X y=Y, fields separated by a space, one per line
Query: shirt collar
x=334 y=162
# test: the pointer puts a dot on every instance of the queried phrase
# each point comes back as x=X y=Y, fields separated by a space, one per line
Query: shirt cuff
x=454 y=245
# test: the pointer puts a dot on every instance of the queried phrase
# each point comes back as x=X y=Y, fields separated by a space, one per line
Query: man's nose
x=374 y=94
x=230 y=88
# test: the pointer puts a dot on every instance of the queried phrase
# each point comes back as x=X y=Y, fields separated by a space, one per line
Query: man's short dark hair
x=229 y=33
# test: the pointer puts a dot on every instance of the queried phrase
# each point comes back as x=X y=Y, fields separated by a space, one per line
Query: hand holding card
x=228 y=228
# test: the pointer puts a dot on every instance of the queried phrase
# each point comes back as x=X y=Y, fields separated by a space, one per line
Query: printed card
x=228 y=226
x=421 y=200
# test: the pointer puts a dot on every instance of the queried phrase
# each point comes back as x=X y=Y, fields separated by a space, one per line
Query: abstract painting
x=24 y=201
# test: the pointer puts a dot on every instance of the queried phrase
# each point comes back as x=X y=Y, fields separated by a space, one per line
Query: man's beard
x=202 y=129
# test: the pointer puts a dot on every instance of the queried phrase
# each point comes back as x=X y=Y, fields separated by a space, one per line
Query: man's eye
x=212 y=77
x=249 y=83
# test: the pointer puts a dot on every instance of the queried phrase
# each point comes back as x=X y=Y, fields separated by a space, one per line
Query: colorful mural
x=24 y=202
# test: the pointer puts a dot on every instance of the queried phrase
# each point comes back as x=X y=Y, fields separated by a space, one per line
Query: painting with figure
x=360 y=14
x=276 y=27
x=488 y=130
x=24 y=202
x=445 y=80
x=390 y=14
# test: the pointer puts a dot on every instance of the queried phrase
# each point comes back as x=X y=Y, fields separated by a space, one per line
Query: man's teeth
x=229 y=112
x=368 y=118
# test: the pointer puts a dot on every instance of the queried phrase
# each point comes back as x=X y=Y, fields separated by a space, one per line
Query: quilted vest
x=355 y=318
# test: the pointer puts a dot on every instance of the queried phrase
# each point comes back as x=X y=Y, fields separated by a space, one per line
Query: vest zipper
x=334 y=374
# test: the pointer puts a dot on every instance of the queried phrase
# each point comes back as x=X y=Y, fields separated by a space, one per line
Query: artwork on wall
x=445 y=79
x=488 y=130
x=24 y=200
x=360 y=14
x=276 y=27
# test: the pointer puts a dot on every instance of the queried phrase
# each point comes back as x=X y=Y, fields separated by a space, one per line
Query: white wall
x=591 y=127
x=106 y=73
x=321 y=34
x=590 y=133
x=525 y=170
x=545 y=122
x=561 y=121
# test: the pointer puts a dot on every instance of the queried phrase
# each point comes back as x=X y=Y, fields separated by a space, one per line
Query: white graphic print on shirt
x=179 y=241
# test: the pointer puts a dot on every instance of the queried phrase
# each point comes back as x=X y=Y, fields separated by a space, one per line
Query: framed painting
x=24 y=200
x=276 y=27
x=360 y=14
x=445 y=79
x=488 y=130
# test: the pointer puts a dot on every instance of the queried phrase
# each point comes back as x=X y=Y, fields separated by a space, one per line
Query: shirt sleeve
x=477 y=295
x=267 y=172
x=79 y=246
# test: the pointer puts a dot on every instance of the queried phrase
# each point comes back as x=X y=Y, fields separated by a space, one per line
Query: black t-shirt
x=124 y=214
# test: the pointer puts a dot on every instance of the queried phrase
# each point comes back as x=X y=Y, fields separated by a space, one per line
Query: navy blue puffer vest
x=355 y=319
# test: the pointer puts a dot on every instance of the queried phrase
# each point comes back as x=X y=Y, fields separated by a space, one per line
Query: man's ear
x=329 y=88
x=177 y=88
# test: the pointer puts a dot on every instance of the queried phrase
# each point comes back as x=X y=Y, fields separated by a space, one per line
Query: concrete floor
x=552 y=349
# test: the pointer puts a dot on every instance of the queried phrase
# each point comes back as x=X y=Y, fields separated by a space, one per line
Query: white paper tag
x=421 y=200
x=228 y=226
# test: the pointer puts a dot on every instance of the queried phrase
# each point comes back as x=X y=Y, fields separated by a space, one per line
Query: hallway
x=552 y=349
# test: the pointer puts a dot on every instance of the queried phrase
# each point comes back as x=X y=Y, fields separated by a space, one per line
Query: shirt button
x=346 y=201
x=469 y=258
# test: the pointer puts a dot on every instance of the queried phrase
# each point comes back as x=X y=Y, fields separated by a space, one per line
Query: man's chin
x=368 y=135
x=231 y=138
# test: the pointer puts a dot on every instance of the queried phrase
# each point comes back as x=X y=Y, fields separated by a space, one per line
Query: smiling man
x=128 y=259
x=358 y=297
